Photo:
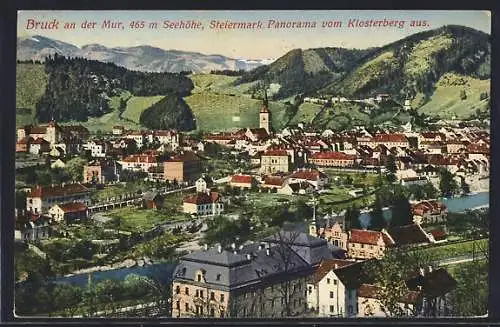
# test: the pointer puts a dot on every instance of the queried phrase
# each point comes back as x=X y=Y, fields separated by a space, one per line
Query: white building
x=332 y=292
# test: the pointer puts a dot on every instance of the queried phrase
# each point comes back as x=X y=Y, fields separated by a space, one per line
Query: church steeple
x=265 y=115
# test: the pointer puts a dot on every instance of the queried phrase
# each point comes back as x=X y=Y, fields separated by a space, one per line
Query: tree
x=67 y=297
x=401 y=212
x=377 y=221
x=463 y=95
x=470 y=298
x=390 y=275
x=390 y=164
x=74 y=168
x=447 y=183
x=170 y=112
x=352 y=217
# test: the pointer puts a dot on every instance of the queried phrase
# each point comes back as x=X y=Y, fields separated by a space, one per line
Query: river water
x=163 y=271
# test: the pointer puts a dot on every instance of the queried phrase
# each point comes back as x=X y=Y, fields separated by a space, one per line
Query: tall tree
x=447 y=184
x=352 y=217
x=401 y=212
x=377 y=221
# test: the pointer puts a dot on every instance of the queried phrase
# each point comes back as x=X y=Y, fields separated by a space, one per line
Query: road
x=460 y=259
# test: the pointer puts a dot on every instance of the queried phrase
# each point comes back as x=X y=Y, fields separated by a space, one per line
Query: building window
x=212 y=312
x=362 y=246
x=310 y=289
x=187 y=291
x=197 y=293
x=328 y=280
x=222 y=313
x=218 y=277
x=201 y=294
x=334 y=282
x=331 y=308
x=177 y=289
x=212 y=296
x=222 y=297
x=199 y=277
x=178 y=305
x=272 y=304
x=186 y=306
x=331 y=295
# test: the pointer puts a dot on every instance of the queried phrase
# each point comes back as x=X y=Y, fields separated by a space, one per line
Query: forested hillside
x=79 y=88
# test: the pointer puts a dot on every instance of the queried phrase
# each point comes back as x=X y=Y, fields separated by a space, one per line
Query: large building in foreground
x=257 y=280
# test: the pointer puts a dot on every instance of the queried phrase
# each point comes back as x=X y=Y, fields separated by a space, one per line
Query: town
x=255 y=222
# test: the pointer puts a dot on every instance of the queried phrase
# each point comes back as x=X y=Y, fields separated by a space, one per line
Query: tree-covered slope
x=414 y=64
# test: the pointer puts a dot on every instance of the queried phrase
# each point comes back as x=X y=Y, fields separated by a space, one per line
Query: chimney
x=219 y=249
x=268 y=252
x=249 y=256
x=205 y=247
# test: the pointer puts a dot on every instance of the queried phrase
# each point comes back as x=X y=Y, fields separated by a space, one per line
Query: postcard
x=252 y=164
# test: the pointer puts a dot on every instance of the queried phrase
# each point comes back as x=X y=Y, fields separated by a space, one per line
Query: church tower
x=265 y=115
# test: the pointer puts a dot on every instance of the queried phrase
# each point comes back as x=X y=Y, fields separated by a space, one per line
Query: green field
x=456 y=249
x=306 y=113
x=136 y=105
x=31 y=81
x=217 y=112
x=134 y=219
x=218 y=84
x=446 y=101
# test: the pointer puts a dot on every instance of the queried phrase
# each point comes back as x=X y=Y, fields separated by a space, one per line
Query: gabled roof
x=434 y=284
x=242 y=179
x=372 y=292
x=332 y=155
x=57 y=190
x=73 y=207
x=369 y=237
x=328 y=265
x=274 y=180
x=310 y=175
x=203 y=198
x=409 y=234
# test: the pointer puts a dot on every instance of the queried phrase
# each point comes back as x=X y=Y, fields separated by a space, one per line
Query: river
x=458 y=204
x=163 y=271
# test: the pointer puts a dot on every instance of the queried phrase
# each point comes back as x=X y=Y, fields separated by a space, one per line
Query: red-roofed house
x=23 y=144
x=429 y=211
x=311 y=176
x=69 y=212
x=367 y=244
x=389 y=140
x=332 y=159
x=273 y=161
x=273 y=182
x=139 y=162
x=39 y=146
x=203 y=204
x=242 y=181
x=41 y=198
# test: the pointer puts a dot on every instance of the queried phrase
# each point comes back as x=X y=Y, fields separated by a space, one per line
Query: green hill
x=218 y=112
x=31 y=81
x=414 y=64
x=455 y=95
x=136 y=105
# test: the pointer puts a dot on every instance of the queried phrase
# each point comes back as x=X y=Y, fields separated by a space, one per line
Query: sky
x=262 y=43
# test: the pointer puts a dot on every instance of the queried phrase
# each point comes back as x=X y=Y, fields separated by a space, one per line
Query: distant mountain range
x=141 y=58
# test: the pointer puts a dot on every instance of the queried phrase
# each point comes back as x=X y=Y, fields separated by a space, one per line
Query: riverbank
x=128 y=263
